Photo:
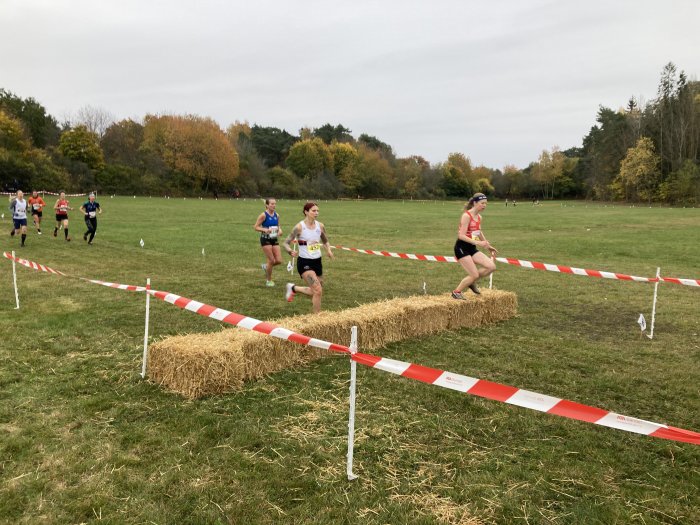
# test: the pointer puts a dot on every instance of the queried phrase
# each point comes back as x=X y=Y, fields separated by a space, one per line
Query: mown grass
x=85 y=440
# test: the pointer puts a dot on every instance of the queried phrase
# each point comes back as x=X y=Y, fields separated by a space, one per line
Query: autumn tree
x=457 y=176
x=82 y=145
x=23 y=166
x=548 y=171
x=345 y=159
x=639 y=172
x=375 y=176
x=310 y=158
x=194 y=148
x=237 y=131
x=41 y=127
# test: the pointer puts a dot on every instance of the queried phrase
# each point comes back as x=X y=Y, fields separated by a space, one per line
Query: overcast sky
x=496 y=80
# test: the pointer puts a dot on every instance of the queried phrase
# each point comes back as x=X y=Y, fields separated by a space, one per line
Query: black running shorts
x=464 y=249
x=304 y=265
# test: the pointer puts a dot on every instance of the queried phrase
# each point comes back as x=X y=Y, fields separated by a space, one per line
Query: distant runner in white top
x=311 y=236
x=19 y=215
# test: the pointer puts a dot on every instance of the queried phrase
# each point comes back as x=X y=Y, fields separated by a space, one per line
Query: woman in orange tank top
x=469 y=239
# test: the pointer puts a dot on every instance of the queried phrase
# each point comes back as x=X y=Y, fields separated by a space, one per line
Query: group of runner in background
x=310 y=236
x=34 y=206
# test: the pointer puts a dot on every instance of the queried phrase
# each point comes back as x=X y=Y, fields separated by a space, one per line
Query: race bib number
x=476 y=235
x=63 y=209
x=313 y=248
x=92 y=214
x=273 y=232
x=36 y=206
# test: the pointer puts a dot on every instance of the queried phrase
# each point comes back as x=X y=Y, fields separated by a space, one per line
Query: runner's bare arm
x=288 y=241
x=257 y=226
x=324 y=240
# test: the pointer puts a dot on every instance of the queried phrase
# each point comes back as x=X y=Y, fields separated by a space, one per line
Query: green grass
x=83 y=439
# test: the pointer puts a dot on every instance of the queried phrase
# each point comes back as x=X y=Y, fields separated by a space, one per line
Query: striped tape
x=127 y=287
x=676 y=280
x=43 y=268
x=433 y=376
x=575 y=271
x=527 y=399
x=33 y=265
x=530 y=264
x=247 y=323
x=47 y=193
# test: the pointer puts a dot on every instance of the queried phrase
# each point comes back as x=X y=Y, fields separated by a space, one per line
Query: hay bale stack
x=204 y=364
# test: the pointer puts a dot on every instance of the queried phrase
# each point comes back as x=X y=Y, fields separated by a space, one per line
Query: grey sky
x=496 y=80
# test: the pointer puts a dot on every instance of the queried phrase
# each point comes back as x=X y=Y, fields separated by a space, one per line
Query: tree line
x=640 y=152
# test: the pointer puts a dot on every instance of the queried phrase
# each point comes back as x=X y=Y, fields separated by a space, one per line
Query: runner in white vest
x=311 y=236
x=19 y=215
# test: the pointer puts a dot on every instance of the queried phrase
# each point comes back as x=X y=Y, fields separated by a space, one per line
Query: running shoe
x=289 y=293
x=457 y=295
x=68 y=239
x=85 y=236
x=269 y=283
x=12 y=233
x=55 y=232
x=474 y=288
x=39 y=232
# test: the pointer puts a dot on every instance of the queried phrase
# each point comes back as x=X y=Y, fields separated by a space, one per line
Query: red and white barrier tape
x=530 y=264
x=433 y=376
x=676 y=280
x=43 y=268
x=575 y=271
x=413 y=256
x=33 y=265
x=46 y=193
x=127 y=287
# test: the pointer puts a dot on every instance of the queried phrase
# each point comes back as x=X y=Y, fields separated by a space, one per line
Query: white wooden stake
x=653 y=307
x=351 y=418
x=491 y=275
x=14 y=280
x=145 y=335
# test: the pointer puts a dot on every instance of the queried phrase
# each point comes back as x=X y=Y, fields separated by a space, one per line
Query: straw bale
x=197 y=365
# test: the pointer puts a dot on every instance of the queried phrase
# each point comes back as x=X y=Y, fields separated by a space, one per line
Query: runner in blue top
x=90 y=209
x=268 y=224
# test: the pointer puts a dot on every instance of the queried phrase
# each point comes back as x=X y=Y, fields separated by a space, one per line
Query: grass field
x=84 y=440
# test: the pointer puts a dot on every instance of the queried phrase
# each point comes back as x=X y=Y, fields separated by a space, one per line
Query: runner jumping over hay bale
x=198 y=365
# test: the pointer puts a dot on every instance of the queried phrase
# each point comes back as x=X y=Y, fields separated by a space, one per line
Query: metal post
x=653 y=307
x=14 y=280
x=145 y=335
x=351 y=418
